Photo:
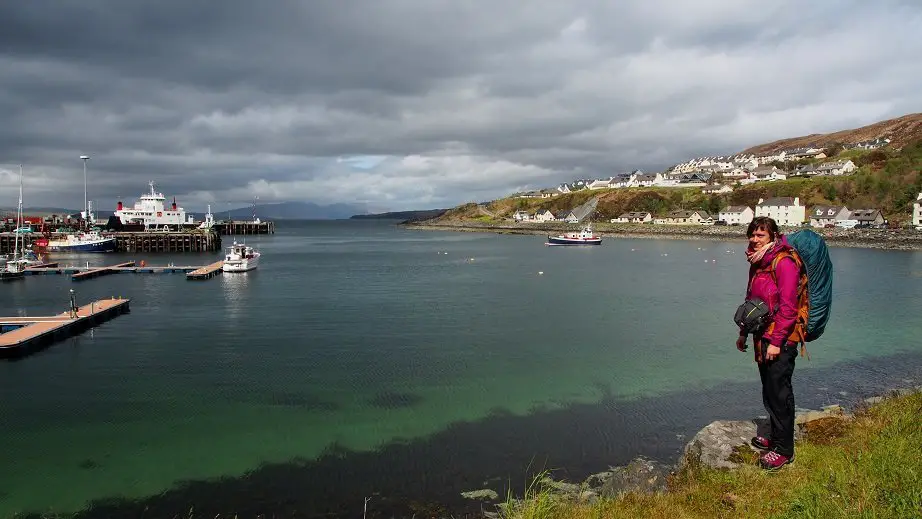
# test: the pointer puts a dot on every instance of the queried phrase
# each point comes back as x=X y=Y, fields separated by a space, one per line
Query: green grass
x=867 y=467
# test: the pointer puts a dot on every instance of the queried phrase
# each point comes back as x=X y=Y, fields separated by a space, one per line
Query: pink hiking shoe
x=761 y=443
x=771 y=460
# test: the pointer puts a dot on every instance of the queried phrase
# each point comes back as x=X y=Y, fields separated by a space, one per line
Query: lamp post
x=86 y=211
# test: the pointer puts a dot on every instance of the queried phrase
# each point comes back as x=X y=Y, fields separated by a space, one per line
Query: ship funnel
x=174 y=203
x=119 y=207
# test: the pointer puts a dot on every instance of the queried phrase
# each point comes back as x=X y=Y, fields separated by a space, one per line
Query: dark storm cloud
x=222 y=101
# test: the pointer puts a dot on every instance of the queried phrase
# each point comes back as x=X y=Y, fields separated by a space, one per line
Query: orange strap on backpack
x=799 y=334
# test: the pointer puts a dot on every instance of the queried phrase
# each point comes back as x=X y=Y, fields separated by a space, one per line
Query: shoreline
x=883 y=239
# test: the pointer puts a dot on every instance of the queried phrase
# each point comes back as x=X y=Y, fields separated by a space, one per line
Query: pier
x=141 y=241
x=206 y=272
x=83 y=273
x=20 y=335
x=236 y=227
x=100 y=271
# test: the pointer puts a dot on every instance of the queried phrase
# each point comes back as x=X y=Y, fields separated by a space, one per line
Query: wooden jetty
x=206 y=272
x=21 y=335
x=100 y=271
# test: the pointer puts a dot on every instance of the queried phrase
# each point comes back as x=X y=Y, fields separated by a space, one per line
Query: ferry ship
x=150 y=212
x=583 y=237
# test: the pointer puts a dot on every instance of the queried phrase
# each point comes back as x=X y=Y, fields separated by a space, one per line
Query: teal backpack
x=813 y=253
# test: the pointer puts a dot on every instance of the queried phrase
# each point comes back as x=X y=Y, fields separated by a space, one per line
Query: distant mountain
x=901 y=131
x=424 y=214
x=291 y=211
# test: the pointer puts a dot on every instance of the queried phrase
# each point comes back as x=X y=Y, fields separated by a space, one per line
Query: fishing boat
x=584 y=236
x=240 y=258
x=83 y=242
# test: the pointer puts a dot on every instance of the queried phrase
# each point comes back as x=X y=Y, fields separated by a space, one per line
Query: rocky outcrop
x=725 y=444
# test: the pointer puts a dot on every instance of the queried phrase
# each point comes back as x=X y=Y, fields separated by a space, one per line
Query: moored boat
x=83 y=242
x=240 y=258
x=585 y=236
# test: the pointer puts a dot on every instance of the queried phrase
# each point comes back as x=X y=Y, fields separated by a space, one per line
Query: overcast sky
x=412 y=104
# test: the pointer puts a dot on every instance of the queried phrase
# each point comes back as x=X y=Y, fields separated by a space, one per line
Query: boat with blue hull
x=83 y=242
x=584 y=237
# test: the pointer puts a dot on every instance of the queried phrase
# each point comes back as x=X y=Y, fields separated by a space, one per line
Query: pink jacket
x=781 y=297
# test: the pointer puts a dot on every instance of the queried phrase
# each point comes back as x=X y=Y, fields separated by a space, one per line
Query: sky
x=414 y=104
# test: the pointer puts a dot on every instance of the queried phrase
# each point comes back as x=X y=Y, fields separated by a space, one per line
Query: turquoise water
x=364 y=358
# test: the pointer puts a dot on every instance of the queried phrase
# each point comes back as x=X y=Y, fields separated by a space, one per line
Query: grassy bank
x=869 y=466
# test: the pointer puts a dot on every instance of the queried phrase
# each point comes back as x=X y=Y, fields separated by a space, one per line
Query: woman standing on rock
x=776 y=344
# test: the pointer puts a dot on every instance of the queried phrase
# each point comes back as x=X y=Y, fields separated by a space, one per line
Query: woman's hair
x=763 y=223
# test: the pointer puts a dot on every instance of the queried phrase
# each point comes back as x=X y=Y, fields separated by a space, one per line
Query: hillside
x=886 y=179
x=901 y=131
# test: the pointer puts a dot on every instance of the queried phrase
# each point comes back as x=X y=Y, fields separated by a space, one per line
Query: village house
x=686 y=217
x=544 y=216
x=521 y=216
x=823 y=215
x=766 y=159
x=869 y=217
x=601 y=184
x=736 y=173
x=869 y=144
x=917 y=213
x=736 y=215
x=767 y=173
x=806 y=153
x=836 y=168
x=576 y=215
x=784 y=210
x=641 y=180
x=634 y=217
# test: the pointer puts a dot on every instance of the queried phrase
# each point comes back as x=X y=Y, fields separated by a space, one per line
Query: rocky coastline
x=723 y=444
x=885 y=239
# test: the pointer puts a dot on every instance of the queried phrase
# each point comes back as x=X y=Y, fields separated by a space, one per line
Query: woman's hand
x=772 y=352
x=741 y=343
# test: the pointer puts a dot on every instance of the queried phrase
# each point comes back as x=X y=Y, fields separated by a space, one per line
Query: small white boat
x=240 y=258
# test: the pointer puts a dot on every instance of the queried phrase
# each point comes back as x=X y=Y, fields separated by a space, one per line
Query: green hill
x=886 y=179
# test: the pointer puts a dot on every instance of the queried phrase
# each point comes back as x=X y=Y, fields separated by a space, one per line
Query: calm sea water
x=365 y=360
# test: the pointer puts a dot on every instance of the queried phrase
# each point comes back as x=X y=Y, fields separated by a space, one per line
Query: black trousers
x=778 y=397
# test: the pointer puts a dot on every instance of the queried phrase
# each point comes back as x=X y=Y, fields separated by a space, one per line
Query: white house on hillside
x=823 y=215
x=784 y=210
x=835 y=168
x=633 y=217
x=683 y=217
x=736 y=215
x=544 y=216
x=917 y=213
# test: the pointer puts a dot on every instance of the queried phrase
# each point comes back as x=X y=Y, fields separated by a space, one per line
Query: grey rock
x=642 y=475
x=714 y=445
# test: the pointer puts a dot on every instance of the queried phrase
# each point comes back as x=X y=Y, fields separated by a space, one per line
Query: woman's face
x=759 y=238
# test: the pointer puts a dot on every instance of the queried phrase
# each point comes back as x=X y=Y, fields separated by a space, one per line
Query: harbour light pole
x=86 y=210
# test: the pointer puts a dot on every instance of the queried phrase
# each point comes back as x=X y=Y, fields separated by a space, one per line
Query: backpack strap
x=803 y=298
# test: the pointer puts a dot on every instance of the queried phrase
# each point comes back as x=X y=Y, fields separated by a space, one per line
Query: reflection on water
x=236 y=293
